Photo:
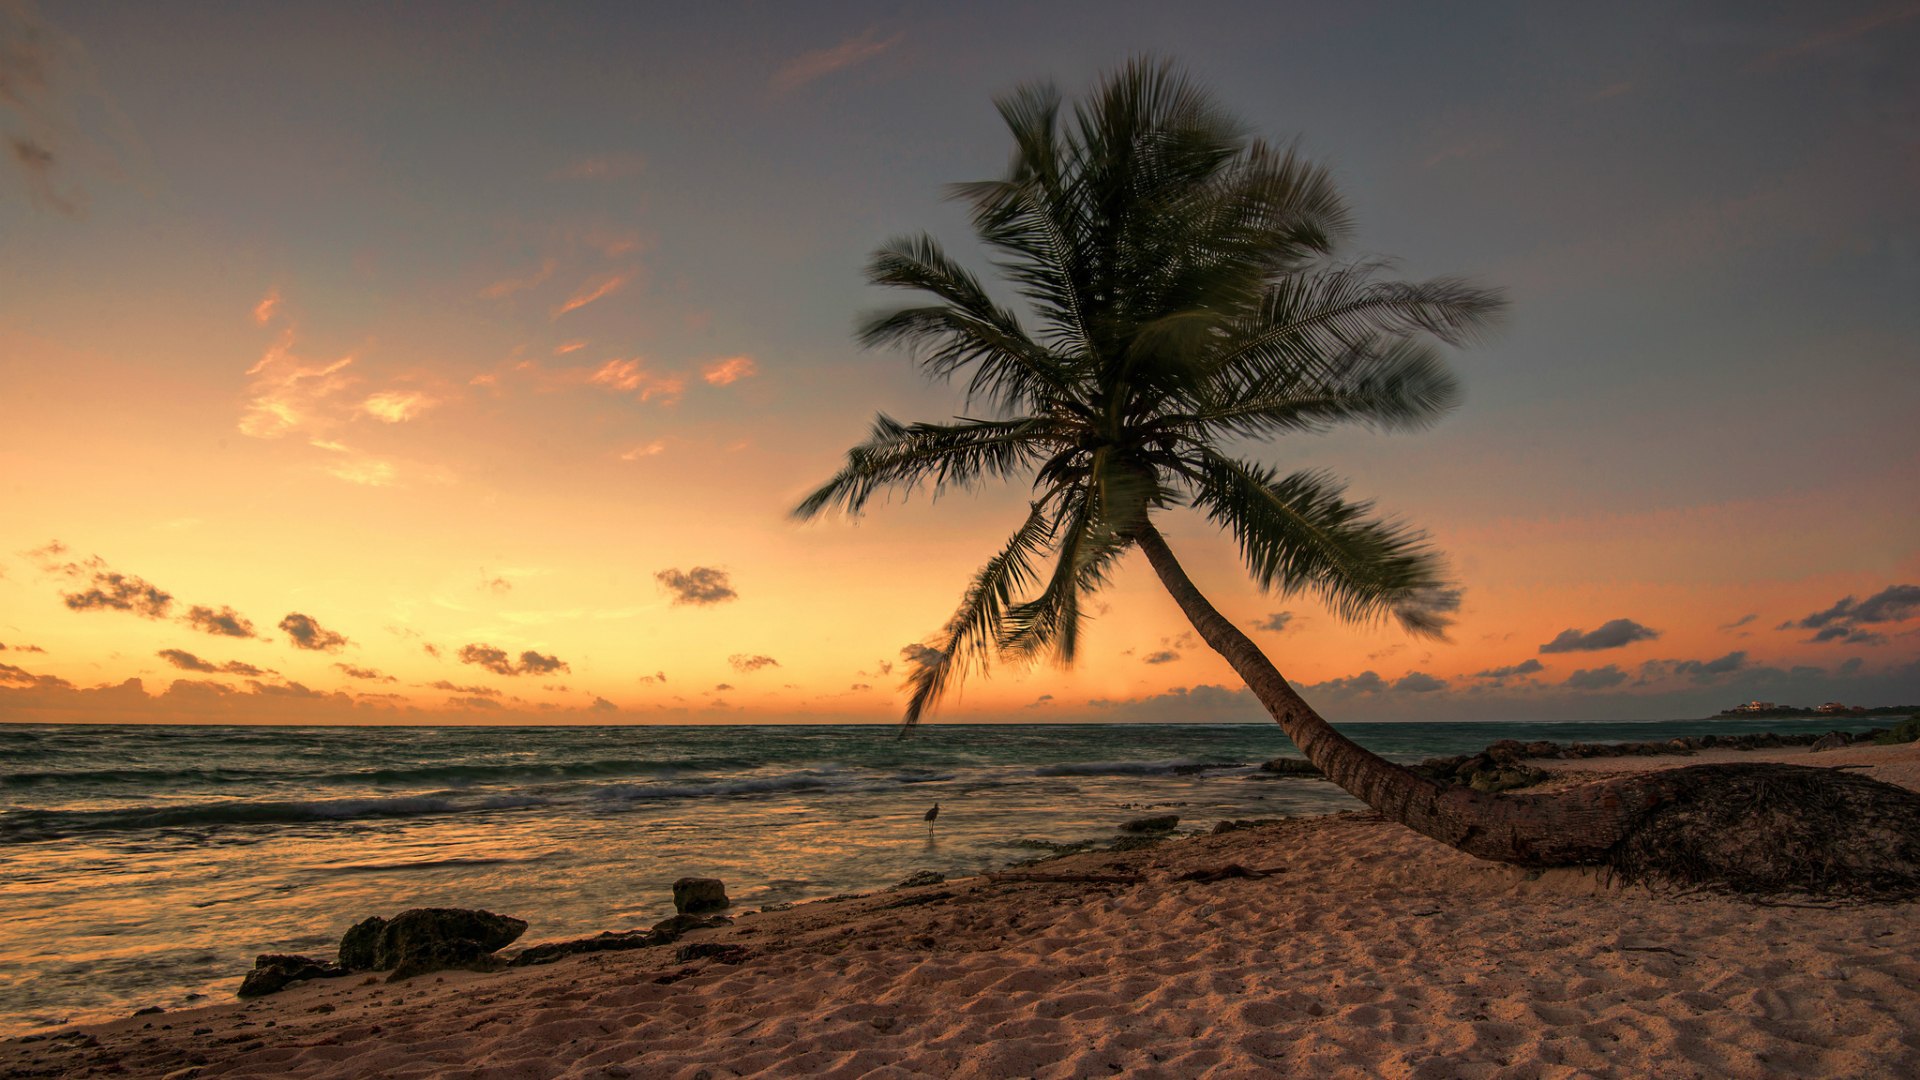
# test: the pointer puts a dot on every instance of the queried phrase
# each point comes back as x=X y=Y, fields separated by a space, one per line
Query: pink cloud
x=820 y=63
x=393 y=406
x=628 y=376
x=269 y=304
x=508 y=286
x=604 y=289
x=730 y=370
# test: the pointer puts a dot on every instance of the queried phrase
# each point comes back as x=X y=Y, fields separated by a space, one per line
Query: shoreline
x=1367 y=950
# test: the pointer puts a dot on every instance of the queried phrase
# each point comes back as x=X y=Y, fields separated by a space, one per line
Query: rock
x=921 y=877
x=273 y=971
x=608 y=941
x=1832 y=740
x=712 y=950
x=438 y=939
x=1290 y=766
x=1506 y=778
x=1506 y=751
x=1157 y=824
x=693 y=895
x=1238 y=824
x=149 y=1011
x=358 y=944
x=680 y=924
x=1135 y=843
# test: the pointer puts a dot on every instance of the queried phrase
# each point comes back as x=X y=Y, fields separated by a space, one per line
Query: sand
x=1369 y=951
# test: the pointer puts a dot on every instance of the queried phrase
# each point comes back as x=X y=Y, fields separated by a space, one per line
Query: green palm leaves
x=1182 y=296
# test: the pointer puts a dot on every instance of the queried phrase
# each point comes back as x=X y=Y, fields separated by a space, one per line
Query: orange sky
x=488 y=375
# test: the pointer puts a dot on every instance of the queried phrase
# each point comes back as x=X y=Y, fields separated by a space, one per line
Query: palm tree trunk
x=1573 y=827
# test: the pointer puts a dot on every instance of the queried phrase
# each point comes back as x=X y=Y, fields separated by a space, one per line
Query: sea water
x=146 y=865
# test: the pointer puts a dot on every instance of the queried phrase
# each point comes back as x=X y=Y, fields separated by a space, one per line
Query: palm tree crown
x=1184 y=297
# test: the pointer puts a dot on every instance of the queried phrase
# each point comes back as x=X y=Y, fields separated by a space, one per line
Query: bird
x=933 y=813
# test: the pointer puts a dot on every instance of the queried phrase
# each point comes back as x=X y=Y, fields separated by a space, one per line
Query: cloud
x=500 y=663
x=1842 y=622
x=629 y=376
x=22 y=648
x=1740 y=622
x=720 y=687
x=223 y=623
x=114 y=591
x=287 y=394
x=921 y=656
x=700 y=586
x=268 y=307
x=22 y=679
x=1367 y=682
x=602 y=167
x=1419 y=682
x=1698 y=670
x=746 y=664
x=599 y=291
x=601 y=704
x=861 y=686
x=1838 y=34
x=307 y=634
x=656 y=677
x=820 y=63
x=48 y=88
x=1528 y=666
x=473 y=691
x=186 y=661
x=506 y=287
x=475 y=703
x=1164 y=656
x=356 y=672
x=1613 y=634
x=730 y=370
x=1274 y=623
x=1596 y=678
x=394 y=406
x=645 y=450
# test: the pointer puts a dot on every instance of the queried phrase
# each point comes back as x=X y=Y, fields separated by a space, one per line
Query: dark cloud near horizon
x=1367 y=682
x=500 y=663
x=1275 y=623
x=747 y=664
x=474 y=691
x=1740 y=622
x=1604 y=678
x=1613 y=634
x=223 y=623
x=1843 y=622
x=1164 y=656
x=22 y=648
x=187 y=661
x=17 y=678
x=1529 y=666
x=699 y=586
x=921 y=655
x=357 y=672
x=307 y=634
x=1419 y=682
x=601 y=704
x=1697 y=670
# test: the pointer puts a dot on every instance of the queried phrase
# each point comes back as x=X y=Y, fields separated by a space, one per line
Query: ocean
x=145 y=865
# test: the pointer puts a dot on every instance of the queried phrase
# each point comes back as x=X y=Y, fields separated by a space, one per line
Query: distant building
x=1753 y=707
x=1832 y=708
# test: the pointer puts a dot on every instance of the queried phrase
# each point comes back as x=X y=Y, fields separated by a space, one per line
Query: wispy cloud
x=1164 y=656
x=354 y=671
x=598 y=291
x=500 y=663
x=730 y=370
x=225 y=622
x=645 y=450
x=602 y=167
x=747 y=663
x=269 y=305
x=631 y=376
x=820 y=63
x=394 y=406
x=110 y=590
x=1275 y=623
x=506 y=287
x=187 y=661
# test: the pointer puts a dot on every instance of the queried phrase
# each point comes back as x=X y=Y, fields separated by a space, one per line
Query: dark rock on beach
x=1290 y=766
x=358 y=944
x=693 y=895
x=680 y=924
x=712 y=950
x=607 y=941
x=921 y=877
x=274 y=971
x=1158 y=824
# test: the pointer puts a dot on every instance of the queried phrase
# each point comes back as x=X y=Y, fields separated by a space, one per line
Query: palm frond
x=1299 y=533
x=905 y=456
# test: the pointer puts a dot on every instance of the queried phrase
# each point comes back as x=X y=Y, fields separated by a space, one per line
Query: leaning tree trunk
x=1755 y=828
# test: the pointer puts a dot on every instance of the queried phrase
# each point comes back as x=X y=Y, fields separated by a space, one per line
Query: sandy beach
x=1363 y=950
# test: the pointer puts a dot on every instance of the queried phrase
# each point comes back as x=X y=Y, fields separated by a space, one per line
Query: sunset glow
x=481 y=390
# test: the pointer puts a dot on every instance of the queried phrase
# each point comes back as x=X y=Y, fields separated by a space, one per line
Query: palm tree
x=1187 y=302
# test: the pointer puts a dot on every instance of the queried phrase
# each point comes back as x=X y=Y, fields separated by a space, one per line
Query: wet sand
x=1367 y=951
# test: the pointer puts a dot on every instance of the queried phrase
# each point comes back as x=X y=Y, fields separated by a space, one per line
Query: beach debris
x=921 y=877
x=1156 y=824
x=716 y=951
x=693 y=895
x=274 y=971
x=1290 y=766
x=1209 y=874
x=606 y=941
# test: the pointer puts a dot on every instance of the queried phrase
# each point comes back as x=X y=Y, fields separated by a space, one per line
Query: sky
x=461 y=362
